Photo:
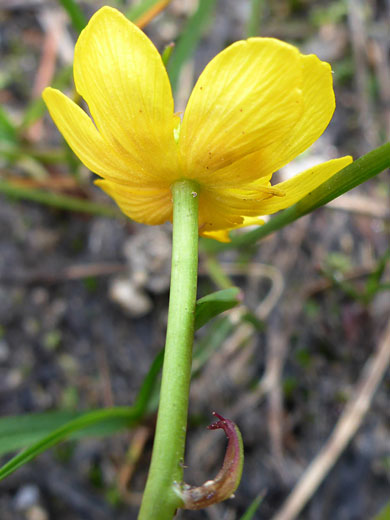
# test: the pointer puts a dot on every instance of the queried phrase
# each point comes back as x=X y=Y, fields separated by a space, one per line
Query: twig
x=73 y=272
x=362 y=205
x=55 y=25
x=380 y=53
x=105 y=375
x=343 y=432
x=318 y=286
x=134 y=452
x=357 y=27
x=152 y=13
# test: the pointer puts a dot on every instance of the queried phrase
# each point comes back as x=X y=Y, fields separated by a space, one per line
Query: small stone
x=36 y=513
x=135 y=302
x=13 y=379
x=26 y=497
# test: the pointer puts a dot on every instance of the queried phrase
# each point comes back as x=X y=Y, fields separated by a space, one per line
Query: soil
x=73 y=341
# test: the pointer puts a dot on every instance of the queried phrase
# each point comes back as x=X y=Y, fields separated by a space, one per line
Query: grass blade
x=76 y=15
x=250 y=512
x=7 y=129
x=127 y=414
x=255 y=16
x=48 y=429
x=206 y=346
x=45 y=430
x=188 y=41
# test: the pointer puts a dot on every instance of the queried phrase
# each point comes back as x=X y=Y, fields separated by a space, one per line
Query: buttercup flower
x=256 y=106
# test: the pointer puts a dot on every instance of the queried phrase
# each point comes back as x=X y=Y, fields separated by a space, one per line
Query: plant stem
x=159 y=500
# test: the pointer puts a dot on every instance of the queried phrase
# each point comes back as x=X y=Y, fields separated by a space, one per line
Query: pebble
x=133 y=300
x=26 y=497
x=36 y=513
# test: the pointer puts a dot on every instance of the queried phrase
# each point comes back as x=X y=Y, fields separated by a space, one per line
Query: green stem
x=159 y=500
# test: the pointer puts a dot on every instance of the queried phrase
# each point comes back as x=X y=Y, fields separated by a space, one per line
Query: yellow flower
x=256 y=106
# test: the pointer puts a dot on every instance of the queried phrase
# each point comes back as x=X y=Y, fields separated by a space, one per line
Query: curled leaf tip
x=228 y=478
x=224 y=424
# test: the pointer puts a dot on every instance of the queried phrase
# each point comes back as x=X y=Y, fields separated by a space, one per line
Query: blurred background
x=84 y=291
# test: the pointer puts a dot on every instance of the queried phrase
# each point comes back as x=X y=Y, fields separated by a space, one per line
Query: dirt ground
x=75 y=334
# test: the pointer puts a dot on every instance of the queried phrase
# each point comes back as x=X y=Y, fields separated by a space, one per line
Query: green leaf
x=125 y=416
x=19 y=431
x=384 y=513
x=212 y=340
x=76 y=15
x=149 y=388
x=373 y=284
x=250 y=512
x=45 y=430
x=16 y=432
x=42 y=431
x=167 y=53
x=215 y=303
x=345 y=180
x=188 y=41
x=7 y=129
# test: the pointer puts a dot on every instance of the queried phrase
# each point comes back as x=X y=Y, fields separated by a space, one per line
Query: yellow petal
x=302 y=184
x=89 y=146
x=221 y=236
x=319 y=105
x=120 y=74
x=217 y=213
x=248 y=97
x=294 y=189
x=227 y=208
x=148 y=206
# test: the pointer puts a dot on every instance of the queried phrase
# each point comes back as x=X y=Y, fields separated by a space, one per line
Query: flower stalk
x=160 y=500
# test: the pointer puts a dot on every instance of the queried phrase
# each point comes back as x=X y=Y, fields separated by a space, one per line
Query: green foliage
x=337 y=269
x=215 y=303
x=167 y=53
x=332 y=13
x=44 y=430
x=76 y=15
x=374 y=282
x=101 y=422
x=188 y=41
x=7 y=129
x=254 y=20
x=384 y=513
x=251 y=511
x=204 y=348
